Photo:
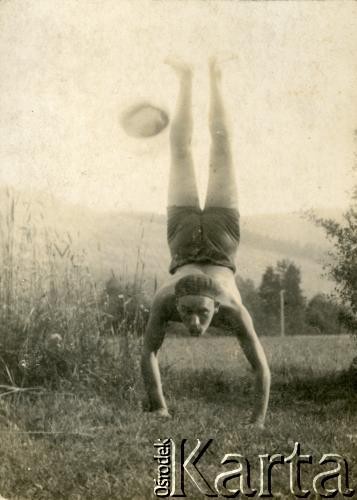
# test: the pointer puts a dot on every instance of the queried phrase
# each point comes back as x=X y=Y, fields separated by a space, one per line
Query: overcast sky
x=69 y=67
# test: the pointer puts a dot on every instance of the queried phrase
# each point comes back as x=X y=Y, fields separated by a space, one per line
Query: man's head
x=196 y=302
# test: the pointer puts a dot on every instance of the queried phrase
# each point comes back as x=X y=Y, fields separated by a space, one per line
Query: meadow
x=72 y=424
x=94 y=441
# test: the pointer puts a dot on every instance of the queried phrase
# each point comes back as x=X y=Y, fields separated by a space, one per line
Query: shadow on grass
x=306 y=386
x=218 y=386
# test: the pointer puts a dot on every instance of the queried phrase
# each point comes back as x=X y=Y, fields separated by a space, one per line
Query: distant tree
x=252 y=301
x=269 y=291
x=323 y=315
x=343 y=266
x=294 y=301
x=285 y=276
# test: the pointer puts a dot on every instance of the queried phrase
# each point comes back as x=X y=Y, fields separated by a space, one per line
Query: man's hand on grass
x=158 y=413
x=161 y=413
x=254 y=423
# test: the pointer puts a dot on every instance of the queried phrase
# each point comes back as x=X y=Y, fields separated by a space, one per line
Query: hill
x=130 y=242
x=264 y=240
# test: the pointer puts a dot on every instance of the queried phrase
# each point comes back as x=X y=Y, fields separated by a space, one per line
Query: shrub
x=53 y=320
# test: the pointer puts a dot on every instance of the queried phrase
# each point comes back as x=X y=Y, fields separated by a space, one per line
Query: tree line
x=280 y=294
x=321 y=314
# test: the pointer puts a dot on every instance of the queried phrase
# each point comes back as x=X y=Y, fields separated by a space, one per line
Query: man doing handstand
x=203 y=244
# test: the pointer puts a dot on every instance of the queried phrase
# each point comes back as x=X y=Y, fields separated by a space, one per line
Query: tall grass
x=54 y=317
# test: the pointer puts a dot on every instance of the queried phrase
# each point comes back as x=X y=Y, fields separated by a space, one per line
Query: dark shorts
x=209 y=236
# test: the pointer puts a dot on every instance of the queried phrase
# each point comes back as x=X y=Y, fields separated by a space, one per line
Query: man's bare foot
x=180 y=67
x=214 y=68
x=215 y=64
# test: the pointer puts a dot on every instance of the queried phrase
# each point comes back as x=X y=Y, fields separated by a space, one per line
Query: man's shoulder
x=164 y=300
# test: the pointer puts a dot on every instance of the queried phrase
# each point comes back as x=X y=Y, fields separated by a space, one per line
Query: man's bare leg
x=182 y=181
x=182 y=192
x=222 y=192
x=222 y=185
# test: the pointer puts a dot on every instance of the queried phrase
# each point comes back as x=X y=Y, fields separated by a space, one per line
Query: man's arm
x=154 y=336
x=242 y=323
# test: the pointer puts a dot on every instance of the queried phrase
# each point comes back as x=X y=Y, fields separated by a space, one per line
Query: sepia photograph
x=178 y=249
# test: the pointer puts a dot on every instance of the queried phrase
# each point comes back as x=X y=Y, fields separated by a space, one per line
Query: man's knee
x=180 y=146
x=218 y=128
x=181 y=155
x=180 y=138
x=220 y=146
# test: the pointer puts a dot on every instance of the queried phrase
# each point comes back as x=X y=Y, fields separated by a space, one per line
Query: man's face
x=196 y=312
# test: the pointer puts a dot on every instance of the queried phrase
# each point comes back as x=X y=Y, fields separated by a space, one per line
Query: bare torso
x=229 y=298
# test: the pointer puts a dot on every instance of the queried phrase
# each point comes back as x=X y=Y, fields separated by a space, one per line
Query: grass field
x=71 y=419
x=97 y=444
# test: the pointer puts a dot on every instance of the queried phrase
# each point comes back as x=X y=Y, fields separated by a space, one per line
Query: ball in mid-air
x=144 y=120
